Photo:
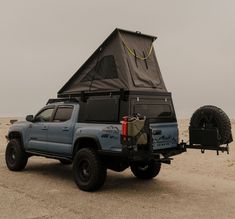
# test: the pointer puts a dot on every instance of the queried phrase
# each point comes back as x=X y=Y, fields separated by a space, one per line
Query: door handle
x=65 y=129
x=44 y=128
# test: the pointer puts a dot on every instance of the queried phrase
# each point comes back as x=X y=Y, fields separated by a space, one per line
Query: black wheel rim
x=84 y=170
x=143 y=167
x=208 y=121
x=12 y=155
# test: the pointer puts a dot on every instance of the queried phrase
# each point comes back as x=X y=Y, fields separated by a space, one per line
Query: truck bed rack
x=57 y=100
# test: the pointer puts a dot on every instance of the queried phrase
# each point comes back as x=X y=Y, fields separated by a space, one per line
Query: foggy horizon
x=43 y=43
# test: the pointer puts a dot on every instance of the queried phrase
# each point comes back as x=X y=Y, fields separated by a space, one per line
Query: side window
x=105 y=69
x=63 y=114
x=45 y=115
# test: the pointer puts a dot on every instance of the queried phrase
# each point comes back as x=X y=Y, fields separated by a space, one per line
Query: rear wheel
x=146 y=170
x=89 y=171
x=15 y=156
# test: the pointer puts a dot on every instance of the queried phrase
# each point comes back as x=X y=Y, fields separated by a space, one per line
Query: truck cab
x=51 y=131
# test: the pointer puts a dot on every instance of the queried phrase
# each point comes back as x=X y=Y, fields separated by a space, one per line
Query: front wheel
x=15 y=156
x=89 y=171
x=146 y=170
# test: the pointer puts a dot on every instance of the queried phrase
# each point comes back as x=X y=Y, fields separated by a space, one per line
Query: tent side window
x=104 y=69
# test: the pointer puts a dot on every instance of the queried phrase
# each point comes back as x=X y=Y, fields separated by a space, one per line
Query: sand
x=195 y=185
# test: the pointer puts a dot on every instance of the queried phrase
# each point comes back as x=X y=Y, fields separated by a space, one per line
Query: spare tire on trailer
x=213 y=117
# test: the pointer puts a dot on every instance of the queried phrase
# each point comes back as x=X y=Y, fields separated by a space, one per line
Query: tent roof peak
x=134 y=33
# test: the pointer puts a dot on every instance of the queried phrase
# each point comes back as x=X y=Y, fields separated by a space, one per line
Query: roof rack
x=57 y=100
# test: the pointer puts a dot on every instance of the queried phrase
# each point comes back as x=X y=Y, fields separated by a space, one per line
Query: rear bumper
x=142 y=155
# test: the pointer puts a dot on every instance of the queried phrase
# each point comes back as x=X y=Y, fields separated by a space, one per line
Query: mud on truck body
x=114 y=113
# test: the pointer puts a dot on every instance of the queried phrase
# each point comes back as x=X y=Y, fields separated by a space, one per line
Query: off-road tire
x=88 y=169
x=146 y=171
x=15 y=157
x=65 y=162
x=213 y=117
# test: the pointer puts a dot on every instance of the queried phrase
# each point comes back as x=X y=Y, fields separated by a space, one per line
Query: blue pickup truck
x=55 y=132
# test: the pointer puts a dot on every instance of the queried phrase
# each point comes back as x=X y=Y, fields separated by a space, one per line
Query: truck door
x=38 y=130
x=60 y=131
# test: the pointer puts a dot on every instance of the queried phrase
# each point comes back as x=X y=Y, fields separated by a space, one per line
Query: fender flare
x=85 y=138
x=16 y=134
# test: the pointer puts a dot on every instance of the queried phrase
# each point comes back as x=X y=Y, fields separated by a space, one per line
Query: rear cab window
x=153 y=110
x=63 y=113
x=156 y=109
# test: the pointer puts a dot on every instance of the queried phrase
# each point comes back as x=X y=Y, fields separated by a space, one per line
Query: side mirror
x=29 y=118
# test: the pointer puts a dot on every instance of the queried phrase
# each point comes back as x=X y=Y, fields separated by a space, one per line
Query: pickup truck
x=55 y=132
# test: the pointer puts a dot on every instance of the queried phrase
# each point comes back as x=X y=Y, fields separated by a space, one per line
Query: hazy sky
x=43 y=42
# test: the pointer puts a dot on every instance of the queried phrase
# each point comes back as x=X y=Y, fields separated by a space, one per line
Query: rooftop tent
x=125 y=60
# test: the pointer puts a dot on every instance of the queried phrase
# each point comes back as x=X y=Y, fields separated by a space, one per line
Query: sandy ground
x=195 y=186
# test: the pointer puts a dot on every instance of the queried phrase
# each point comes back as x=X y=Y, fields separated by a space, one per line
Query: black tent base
x=111 y=106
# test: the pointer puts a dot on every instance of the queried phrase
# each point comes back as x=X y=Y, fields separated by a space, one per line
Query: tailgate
x=164 y=135
x=159 y=109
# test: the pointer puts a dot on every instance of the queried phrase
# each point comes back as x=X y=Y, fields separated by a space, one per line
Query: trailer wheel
x=88 y=169
x=146 y=171
x=213 y=117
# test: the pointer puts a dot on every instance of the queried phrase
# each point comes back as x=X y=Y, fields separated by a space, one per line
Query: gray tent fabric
x=125 y=60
